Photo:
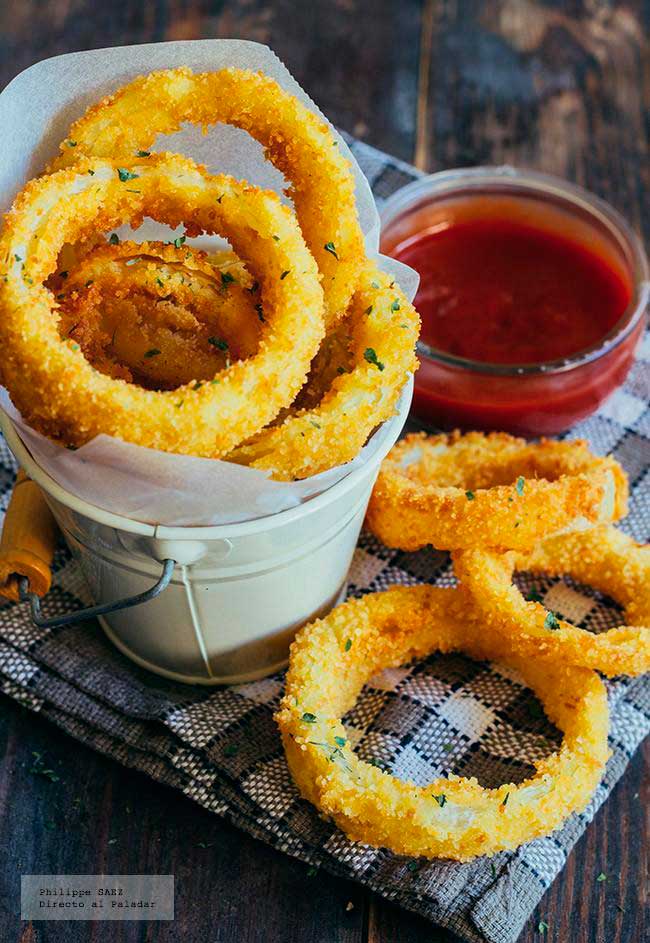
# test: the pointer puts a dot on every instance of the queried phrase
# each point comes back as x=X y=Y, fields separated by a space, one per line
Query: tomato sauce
x=499 y=291
x=529 y=309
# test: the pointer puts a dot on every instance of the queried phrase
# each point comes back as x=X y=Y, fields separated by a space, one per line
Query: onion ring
x=602 y=557
x=473 y=491
x=332 y=658
x=168 y=314
x=60 y=393
x=296 y=140
x=384 y=330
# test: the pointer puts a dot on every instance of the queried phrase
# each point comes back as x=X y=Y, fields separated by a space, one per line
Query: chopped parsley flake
x=505 y=799
x=330 y=247
x=519 y=487
x=413 y=866
x=18 y=258
x=125 y=174
x=92 y=173
x=470 y=495
x=542 y=926
x=601 y=877
x=159 y=281
x=226 y=278
x=348 y=645
x=448 y=747
x=152 y=353
x=369 y=309
x=340 y=741
x=534 y=596
x=179 y=403
x=218 y=342
x=133 y=261
x=309 y=718
x=178 y=242
x=143 y=153
x=395 y=305
x=375 y=285
x=370 y=355
x=551 y=621
x=316 y=425
x=441 y=799
x=71 y=143
x=260 y=313
x=284 y=274
x=114 y=239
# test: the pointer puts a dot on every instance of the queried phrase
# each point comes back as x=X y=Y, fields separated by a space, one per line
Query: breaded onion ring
x=601 y=557
x=332 y=658
x=296 y=140
x=59 y=392
x=467 y=491
x=157 y=314
x=217 y=289
x=384 y=329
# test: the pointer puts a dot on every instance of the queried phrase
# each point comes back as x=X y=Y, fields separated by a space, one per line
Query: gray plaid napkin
x=221 y=747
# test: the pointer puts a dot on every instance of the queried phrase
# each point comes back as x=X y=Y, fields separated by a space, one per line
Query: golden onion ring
x=384 y=329
x=297 y=141
x=168 y=314
x=332 y=658
x=601 y=557
x=51 y=382
x=474 y=490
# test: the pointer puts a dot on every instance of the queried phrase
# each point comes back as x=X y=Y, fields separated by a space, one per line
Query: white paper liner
x=143 y=484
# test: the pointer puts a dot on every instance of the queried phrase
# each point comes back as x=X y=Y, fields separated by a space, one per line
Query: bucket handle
x=91 y=612
x=27 y=546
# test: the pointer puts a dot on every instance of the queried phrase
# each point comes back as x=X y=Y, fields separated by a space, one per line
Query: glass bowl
x=528 y=399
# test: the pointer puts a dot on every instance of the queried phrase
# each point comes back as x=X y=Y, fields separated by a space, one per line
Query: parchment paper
x=36 y=110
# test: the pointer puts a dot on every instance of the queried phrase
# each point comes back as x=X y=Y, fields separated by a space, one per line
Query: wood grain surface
x=558 y=86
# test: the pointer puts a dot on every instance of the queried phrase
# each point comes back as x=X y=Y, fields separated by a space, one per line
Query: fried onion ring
x=296 y=140
x=474 y=490
x=166 y=313
x=51 y=382
x=332 y=658
x=384 y=329
x=602 y=557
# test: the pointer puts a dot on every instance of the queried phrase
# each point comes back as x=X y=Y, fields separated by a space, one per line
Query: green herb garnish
x=152 y=353
x=125 y=174
x=330 y=247
x=370 y=355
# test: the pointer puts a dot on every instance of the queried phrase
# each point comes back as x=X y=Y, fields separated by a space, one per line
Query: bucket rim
x=56 y=491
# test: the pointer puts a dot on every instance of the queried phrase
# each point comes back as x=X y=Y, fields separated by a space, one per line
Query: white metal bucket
x=239 y=592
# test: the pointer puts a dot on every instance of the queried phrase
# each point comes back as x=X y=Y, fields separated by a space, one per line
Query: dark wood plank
x=100 y=818
x=357 y=58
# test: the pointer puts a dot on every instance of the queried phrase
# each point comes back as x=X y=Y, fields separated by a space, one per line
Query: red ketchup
x=506 y=287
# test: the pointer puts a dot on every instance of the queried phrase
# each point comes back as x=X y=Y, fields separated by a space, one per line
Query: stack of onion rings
x=166 y=319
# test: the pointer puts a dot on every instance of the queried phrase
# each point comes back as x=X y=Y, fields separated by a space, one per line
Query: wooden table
x=563 y=87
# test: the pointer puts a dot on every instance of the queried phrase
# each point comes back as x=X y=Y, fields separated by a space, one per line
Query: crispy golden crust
x=51 y=382
x=602 y=557
x=384 y=328
x=474 y=490
x=157 y=314
x=332 y=658
x=296 y=140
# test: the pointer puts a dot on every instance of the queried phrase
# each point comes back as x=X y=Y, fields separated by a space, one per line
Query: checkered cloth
x=221 y=747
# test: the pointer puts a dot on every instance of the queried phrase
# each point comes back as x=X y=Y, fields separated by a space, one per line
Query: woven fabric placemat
x=222 y=749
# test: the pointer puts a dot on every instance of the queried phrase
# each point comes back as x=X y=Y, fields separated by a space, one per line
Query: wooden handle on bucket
x=28 y=540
